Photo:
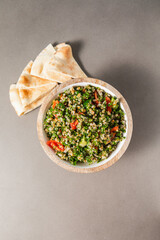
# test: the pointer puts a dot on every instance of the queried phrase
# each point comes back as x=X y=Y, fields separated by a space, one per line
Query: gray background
x=116 y=41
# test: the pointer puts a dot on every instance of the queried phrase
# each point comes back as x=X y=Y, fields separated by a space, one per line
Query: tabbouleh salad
x=84 y=124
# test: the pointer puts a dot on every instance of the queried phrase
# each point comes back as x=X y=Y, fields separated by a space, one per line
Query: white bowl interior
x=120 y=144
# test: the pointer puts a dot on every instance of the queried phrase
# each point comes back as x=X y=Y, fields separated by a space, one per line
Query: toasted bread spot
x=28 y=67
x=25 y=81
x=26 y=93
x=66 y=51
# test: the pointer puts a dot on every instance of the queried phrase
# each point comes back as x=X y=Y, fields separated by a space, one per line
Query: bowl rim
x=53 y=156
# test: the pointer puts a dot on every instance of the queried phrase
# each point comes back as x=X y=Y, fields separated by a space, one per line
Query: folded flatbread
x=17 y=104
x=52 y=65
x=32 y=88
x=27 y=81
x=56 y=64
x=29 y=95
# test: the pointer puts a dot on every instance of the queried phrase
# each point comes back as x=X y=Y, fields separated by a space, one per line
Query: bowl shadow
x=135 y=84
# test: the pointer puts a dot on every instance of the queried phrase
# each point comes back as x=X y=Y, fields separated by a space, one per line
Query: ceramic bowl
x=83 y=167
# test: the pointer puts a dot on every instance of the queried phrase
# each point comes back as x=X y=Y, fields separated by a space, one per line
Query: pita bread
x=29 y=95
x=32 y=88
x=15 y=99
x=38 y=78
x=29 y=91
x=56 y=64
x=17 y=104
x=27 y=81
x=28 y=67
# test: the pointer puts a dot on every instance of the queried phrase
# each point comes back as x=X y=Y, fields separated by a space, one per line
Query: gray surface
x=117 y=41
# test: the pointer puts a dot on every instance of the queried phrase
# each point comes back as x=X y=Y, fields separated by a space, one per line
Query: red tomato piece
x=74 y=124
x=57 y=145
x=108 y=100
x=115 y=129
x=109 y=109
x=96 y=97
x=55 y=102
x=113 y=135
x=81 y=113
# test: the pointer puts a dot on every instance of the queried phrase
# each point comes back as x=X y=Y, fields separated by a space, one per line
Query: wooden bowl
x=83 y=167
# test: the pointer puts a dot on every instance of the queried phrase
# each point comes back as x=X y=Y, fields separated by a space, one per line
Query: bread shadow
x=135 y=84
x=77 y=46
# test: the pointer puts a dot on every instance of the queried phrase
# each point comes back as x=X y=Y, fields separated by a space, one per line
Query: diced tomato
x=74 y=124
x=96 y=97
x=81 y=113
x=113 y=135
x=108 y=100
x=113 y=132
x=61 y=95
x=50 y=143
x=55 y=102
x=57 y=145
x=115 y=129
x=109 y=109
